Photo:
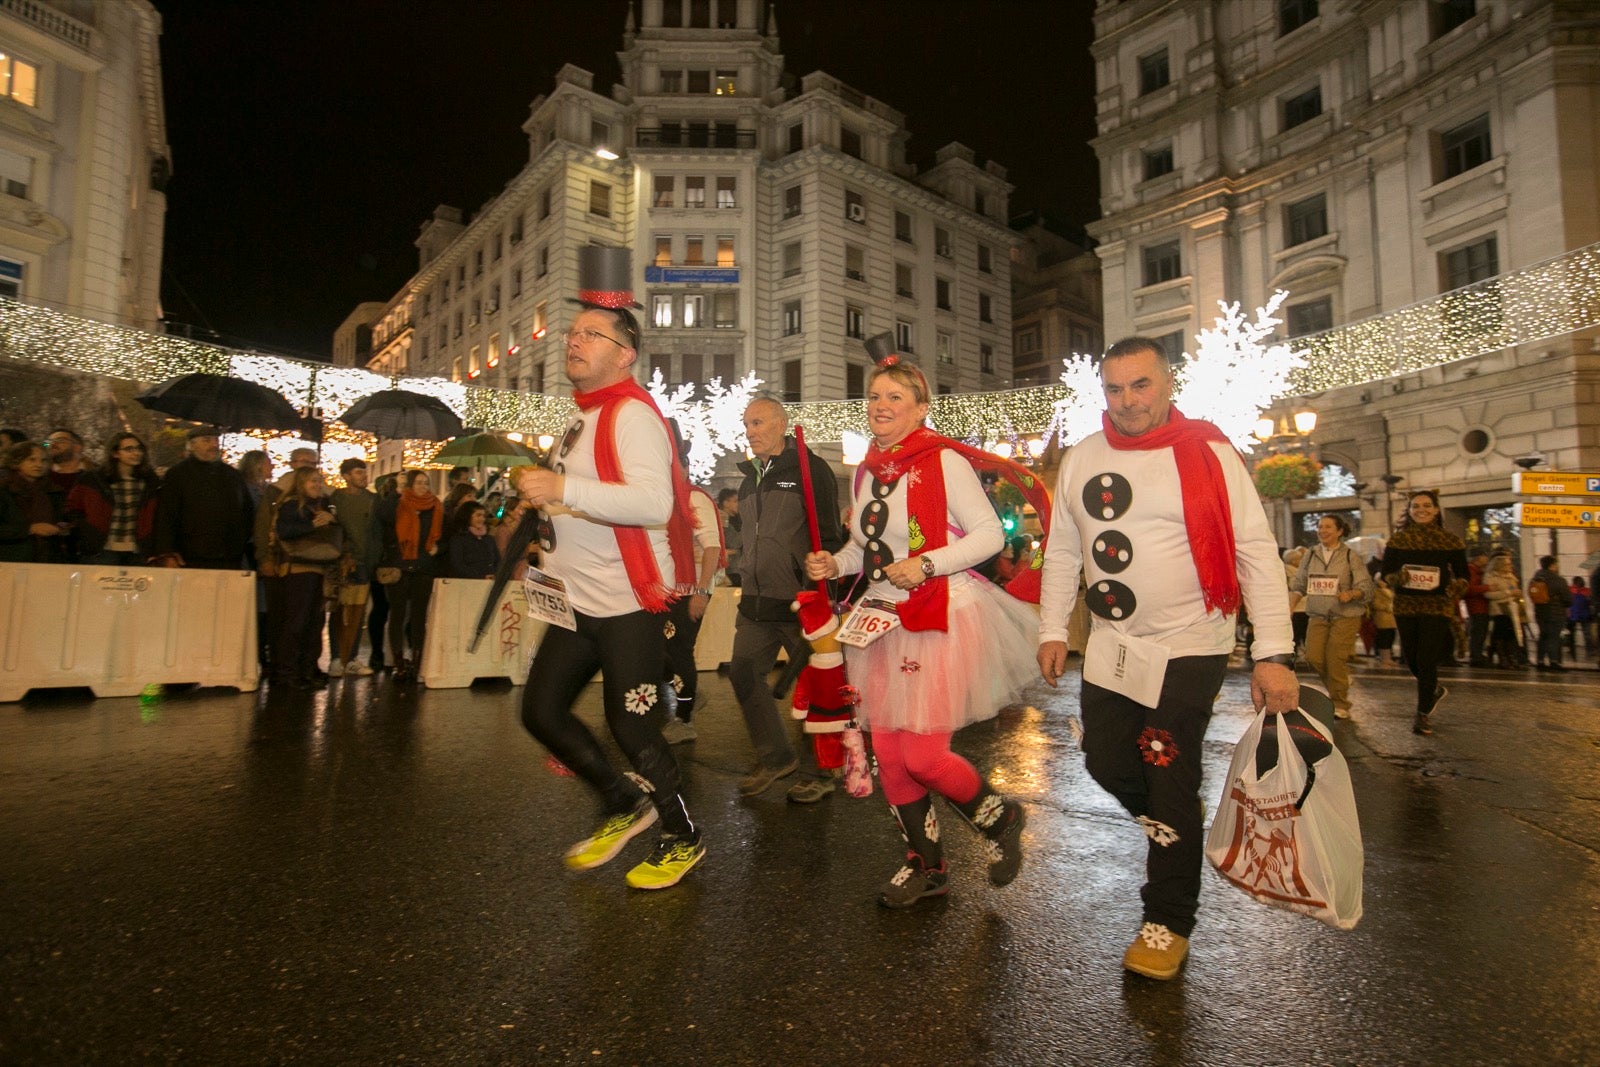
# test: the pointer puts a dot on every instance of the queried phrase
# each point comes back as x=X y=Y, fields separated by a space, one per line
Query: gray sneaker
x=760 y=779
x=676 y=731
x=810 y=790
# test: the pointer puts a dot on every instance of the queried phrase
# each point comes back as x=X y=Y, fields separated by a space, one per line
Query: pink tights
x=909 y=765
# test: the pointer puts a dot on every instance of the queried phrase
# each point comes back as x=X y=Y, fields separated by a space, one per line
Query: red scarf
x=408 y=524
x=1206 y=512
x=927 y=608
x=643 y=573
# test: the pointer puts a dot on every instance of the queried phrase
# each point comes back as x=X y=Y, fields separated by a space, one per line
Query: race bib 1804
x=1420 y=578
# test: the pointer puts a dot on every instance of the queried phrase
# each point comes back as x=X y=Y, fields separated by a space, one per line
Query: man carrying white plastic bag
x=1286 y=830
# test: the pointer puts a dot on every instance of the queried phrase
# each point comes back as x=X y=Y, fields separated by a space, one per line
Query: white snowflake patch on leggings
x=641 y=698
x=1159 y=832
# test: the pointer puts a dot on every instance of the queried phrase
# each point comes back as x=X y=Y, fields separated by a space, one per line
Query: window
x=905 y=280
x=661 y=315
x=1302 y=107
x=542 y=261
x=984 y=263
x=1292 y=14
x=443 y=336
x=791 y=259
x=985 y=308
x=663 y=250
x=1313 y=316
x=849 y=142
x=1162 y=263
x=791 y=318
x=980 y=203
x=516 y=230
x=727 y=190
x=902 y=336
x=986 y=358
x=672 y=12
x=536 y=379
x=422 y=351
x=672 y=80
x=724 y=366
x=664 y=186
x=694 y=310
x=599 y=135
x=16 y=174
x=699 y=82
x=477 y=263
x=541 y=321
x=941 y=294
x=1172 y=345
x=797 y=137
x=544 y=203
x=1465 y=147
x=902 y=227
x=600 y=199
x=494 y=298
x=855 y=381
x=427 y=303
x=725 y=311
x=19 y=80
x=461 y=276
x=791 y=202
x=1448 y=14
x=726 y=80
x=725 y=250
x=516 y=282
x=941 y=242
x=477 y=311
x=661 y=363
x=455 y=369
x=1473 y=263
x=855 y=263
x=855 y=322
x=689 y=368
x=694 y=250
x=460 y=318
x=1305 y=220
x=855 y=206
x=493 y=349
x=1153 y=73
x=791 y=382
x=694 y=192
x=944 y=349
x=1157 y=161
x=494 y=246
x=1028 y=341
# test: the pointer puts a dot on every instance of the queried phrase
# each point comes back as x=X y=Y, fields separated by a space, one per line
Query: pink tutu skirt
x=937 y=681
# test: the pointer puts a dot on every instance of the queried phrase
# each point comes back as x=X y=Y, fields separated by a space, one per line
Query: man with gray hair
x=773 y=541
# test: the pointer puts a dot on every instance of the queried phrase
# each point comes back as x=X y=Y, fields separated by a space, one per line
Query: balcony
x=676 y=137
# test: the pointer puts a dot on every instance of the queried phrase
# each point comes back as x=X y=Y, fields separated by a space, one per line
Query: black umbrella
x=231 y=403
x=402 y=414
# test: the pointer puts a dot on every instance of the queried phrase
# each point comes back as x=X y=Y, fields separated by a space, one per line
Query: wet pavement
x=372 y=875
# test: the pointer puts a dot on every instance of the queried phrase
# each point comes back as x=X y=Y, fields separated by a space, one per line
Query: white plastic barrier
x=119 y=629
x=506 y=650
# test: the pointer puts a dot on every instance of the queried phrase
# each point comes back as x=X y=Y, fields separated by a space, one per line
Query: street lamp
x=1289 y=430
x=1390 y=481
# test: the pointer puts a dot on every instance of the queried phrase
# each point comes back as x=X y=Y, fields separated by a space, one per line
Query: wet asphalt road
x=366 y=877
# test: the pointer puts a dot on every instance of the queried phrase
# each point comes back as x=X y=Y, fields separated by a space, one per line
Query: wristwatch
x=702 y=592
x=1282 y=659
x=927 y=566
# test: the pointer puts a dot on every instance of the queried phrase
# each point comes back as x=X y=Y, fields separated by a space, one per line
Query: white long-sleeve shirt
x=975 y=532
x=586 y=556
x=1130 y=540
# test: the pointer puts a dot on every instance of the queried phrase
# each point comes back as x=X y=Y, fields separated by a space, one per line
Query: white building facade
x=1367 y=156
x=84 y=159
x=775 y=224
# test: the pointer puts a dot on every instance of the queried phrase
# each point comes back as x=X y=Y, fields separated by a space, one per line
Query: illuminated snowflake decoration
x=640 y=699
x=711 y=427
x=1232 y=376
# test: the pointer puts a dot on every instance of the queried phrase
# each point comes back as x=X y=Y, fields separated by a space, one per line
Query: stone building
x=1419 y=176
x=775 y=223
x=84 y=159
x=1055 y=299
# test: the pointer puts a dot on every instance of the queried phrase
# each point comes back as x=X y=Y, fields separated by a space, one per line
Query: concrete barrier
x=117 y=630
x=506 y=650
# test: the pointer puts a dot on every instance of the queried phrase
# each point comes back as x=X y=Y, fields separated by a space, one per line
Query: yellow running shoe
x=612 y=835
x=668 y=862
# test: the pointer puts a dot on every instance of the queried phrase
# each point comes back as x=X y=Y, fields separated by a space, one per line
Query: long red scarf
x=1206 y=513
x=408 y=524
x=634 y=543
x=927 y=608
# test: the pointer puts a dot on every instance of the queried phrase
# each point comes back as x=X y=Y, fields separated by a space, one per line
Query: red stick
x=809 y=497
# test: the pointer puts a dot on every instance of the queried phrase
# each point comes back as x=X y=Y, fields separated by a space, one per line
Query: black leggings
x=681 y=672
x=1427 y=640
x=629 y=649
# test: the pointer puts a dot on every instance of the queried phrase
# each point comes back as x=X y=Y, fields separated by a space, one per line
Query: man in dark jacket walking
x=773 y=541
x=1551 y=613
x=204 y=514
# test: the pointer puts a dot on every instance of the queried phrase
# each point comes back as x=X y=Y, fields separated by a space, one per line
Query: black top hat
x=605 y=277
x=880 y=346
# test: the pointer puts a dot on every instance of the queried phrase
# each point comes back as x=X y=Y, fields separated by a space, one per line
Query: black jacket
x=773 y=534
x=204 y=513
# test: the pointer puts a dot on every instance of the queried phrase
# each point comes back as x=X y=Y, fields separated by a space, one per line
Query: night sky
x=310 y=139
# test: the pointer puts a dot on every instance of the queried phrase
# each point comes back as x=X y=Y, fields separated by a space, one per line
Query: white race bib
x=1125 y=664
x=1420 y=578
x=1322 y=585
x=547 y=599
x=869 y=620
